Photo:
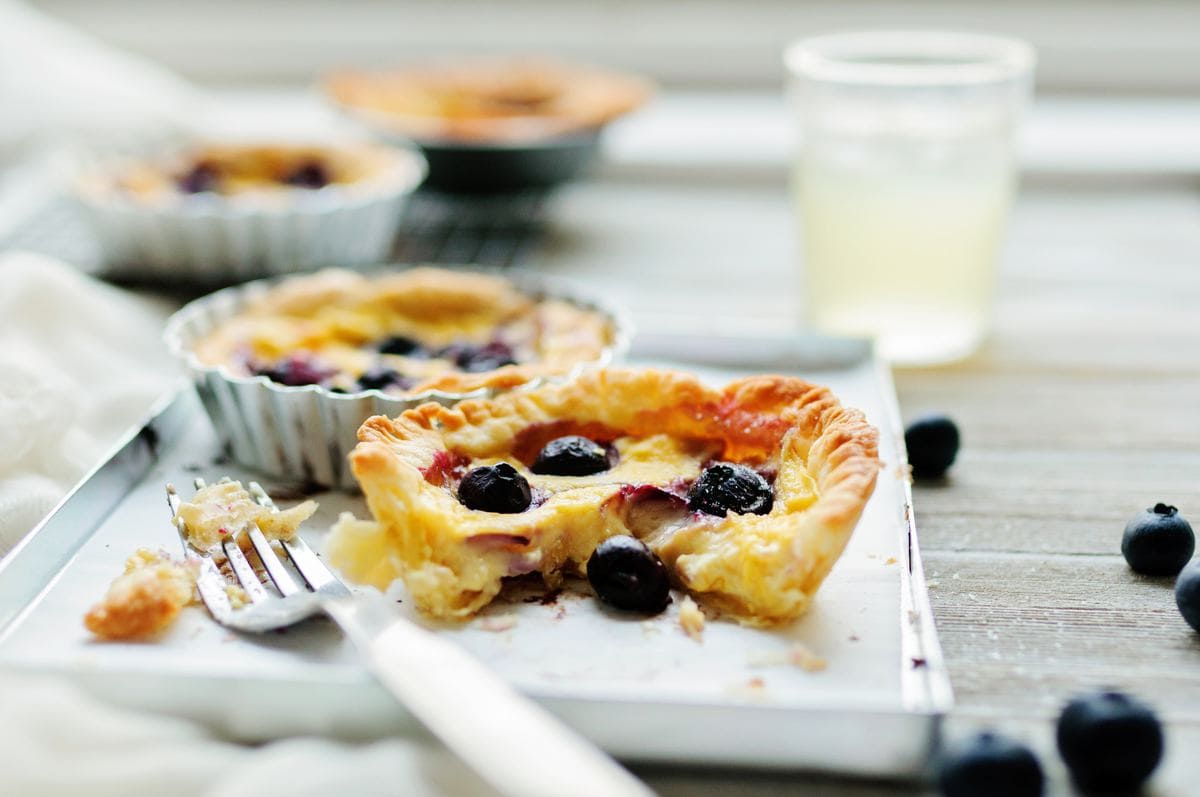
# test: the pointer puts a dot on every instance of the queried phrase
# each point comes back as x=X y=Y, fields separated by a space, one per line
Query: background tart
x=489 y=101
x=404 y=332
x=234 y=169
x=664 y=428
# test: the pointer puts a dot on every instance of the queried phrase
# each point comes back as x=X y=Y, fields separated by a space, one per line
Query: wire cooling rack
x=488 y=230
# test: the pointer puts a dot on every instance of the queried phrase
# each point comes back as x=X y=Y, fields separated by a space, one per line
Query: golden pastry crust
x=489 y=101
x=233 y=170
x=144 y=600
x=337 y=318
x=665 y=427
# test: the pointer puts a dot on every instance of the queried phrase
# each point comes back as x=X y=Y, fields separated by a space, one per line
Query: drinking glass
x=903 y=183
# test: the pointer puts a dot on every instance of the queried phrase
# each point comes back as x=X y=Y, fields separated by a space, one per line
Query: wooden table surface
x=1082 y=408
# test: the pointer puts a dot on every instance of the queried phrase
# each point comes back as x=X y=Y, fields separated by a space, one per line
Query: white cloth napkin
x=80 y=363
x=59 y=84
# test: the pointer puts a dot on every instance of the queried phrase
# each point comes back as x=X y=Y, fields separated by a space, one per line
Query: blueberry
x=495 y=488
x=382 y=378
x=1110 y=741
x=398 y=344
x=1187 y=595
x=476 y=359
x=932 y=444
x=200 y=178
x=989 y=765
x=1158 y=541
x=310 y=174
x=295 y=371
x=571 y=456
x=627 y=575
x=724 y=488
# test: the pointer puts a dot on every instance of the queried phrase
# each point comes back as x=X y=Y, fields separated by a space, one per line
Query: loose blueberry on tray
x=495 y=488
x=1110 y=741
x=990 y=765
x=1187 y=594
x=724 y=488
x=627 y=575
x=571 y=456
x=932 y=444
x=1158 y=541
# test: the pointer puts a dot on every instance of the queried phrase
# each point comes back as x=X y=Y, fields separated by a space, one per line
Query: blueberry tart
x=404 y=333
x=222 y=213
x=747 y=495
x=289 y=369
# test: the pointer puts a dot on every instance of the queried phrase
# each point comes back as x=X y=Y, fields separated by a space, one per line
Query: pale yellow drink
x=901 y=252
x=903 y=183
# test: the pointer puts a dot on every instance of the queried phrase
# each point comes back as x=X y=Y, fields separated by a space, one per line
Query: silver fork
x=512 y=743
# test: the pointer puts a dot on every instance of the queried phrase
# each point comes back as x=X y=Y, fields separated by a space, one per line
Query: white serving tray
x=642 y=689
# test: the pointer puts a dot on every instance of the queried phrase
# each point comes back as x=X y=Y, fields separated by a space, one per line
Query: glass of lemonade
x=903 y=183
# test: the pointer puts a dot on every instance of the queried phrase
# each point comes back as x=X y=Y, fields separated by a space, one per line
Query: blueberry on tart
x=747 y=494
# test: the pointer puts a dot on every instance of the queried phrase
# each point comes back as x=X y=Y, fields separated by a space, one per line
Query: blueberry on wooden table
x=1111 y=742
x=932 y=444
x=1187 y=594
x=724 y=488
x=627 y=575
x=571 y=456
x=989 y=765
x=1158 y=541
x=495 y=488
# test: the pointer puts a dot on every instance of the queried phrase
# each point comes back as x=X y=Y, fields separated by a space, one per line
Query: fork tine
x=275 y=569
x=209 y=581
x=244 y=571
x=308 y=564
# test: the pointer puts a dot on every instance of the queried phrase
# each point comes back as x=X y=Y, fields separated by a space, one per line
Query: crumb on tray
x=498 y=622
x=145 y=599
x=691 y=619
x=795 y=655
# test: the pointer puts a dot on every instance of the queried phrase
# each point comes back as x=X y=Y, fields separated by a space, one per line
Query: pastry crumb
x=691 y=619
x=891 y=560
x=751 y=689
x=795 y=655
x=144 y=600
x=498 y=623
x=237 y=596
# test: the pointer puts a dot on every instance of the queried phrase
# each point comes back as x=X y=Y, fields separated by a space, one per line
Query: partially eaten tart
x=405 y=332
x=748 y=494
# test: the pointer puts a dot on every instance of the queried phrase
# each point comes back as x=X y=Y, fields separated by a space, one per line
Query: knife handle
x=515 y=745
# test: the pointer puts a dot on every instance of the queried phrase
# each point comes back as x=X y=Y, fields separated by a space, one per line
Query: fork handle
x=512 y=743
